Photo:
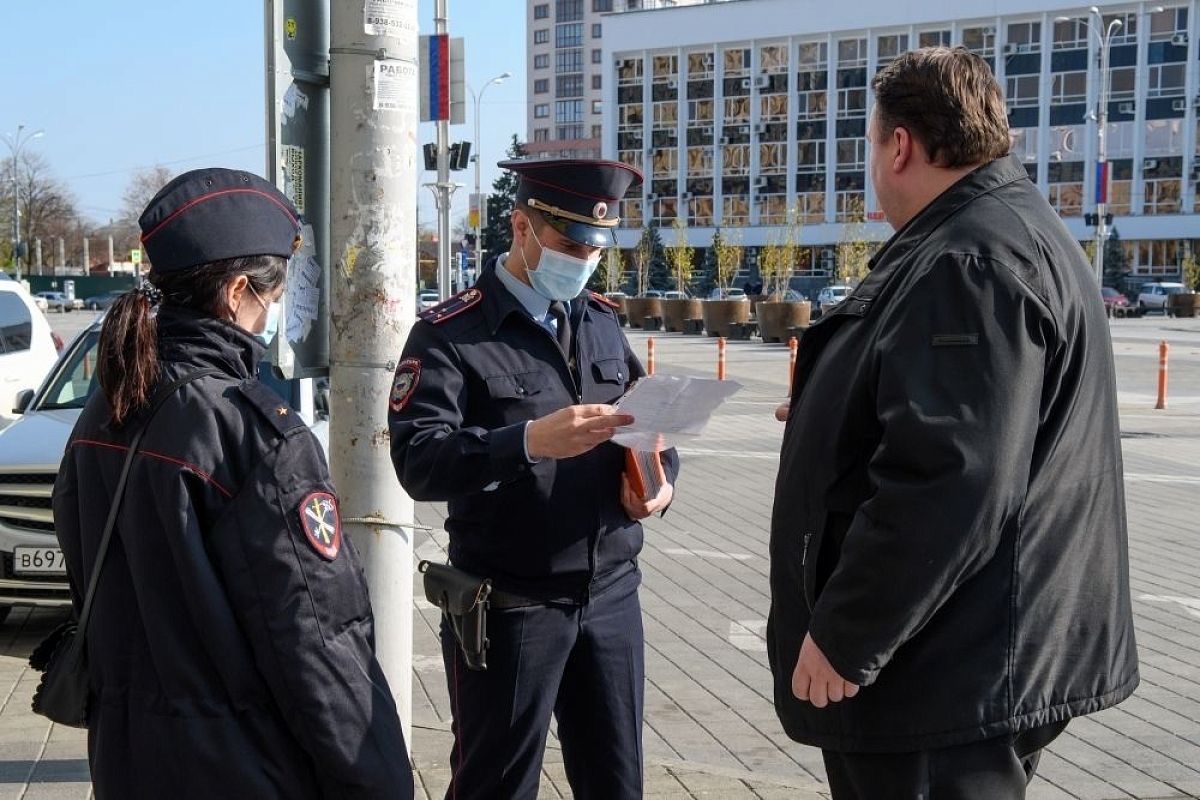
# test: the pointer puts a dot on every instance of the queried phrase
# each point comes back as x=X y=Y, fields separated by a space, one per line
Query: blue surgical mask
x=272 y=328
x=559 y=276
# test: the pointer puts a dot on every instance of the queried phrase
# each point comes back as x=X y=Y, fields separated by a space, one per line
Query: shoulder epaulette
x=599 y=298
x=281 y=416
x=452 y=307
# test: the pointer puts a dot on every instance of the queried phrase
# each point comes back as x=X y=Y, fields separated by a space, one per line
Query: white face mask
x=560 y=276
x=272 y=326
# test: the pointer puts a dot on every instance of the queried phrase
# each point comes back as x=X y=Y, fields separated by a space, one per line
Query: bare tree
x=46 y=205
x=140 y=190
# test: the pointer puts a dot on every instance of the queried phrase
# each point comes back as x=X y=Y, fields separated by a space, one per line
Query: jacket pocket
x=517 y=386
x=810 y=550
x=610 y=370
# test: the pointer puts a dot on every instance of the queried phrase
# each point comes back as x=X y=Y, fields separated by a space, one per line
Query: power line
x=165 y=163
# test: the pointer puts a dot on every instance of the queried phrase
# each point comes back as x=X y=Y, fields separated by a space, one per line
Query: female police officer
x=230 y=644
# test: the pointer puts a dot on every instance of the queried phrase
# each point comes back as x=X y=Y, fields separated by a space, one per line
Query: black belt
x=505 y=600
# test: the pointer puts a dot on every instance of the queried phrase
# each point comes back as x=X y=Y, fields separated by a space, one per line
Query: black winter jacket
x=228 y=656
x=949 y=518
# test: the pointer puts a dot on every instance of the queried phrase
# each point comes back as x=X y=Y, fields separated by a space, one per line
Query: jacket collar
x=197 y=339
x=984 y=180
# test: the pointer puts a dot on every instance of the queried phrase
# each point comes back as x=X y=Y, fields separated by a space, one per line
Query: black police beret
x=578 y=196
x=214 y=214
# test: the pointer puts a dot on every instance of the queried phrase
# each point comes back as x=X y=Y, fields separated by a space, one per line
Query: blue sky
x=117 y=85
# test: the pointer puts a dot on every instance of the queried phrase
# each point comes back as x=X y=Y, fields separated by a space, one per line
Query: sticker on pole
x=389 y=17
x=393 y=83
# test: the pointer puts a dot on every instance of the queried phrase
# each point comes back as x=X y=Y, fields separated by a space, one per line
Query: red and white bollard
x=793 y=351
x=1162 y=374
x=721 y=358
x=650 y=356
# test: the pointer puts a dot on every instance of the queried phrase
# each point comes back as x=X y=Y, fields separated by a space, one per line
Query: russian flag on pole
x=1102 y=182
x=439 y=77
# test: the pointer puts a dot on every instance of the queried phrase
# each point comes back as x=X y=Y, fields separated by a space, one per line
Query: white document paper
x=668 y=409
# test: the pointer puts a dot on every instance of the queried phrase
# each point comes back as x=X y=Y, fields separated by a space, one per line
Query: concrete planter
x=638 y=308
x=1182 y=305
x=676 y=312
x=720 y=314
x=776 y=317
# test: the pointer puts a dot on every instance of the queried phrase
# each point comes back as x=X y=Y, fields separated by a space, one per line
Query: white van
x=28 y=348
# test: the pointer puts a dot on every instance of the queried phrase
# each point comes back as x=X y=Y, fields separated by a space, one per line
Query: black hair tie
x=152 y=293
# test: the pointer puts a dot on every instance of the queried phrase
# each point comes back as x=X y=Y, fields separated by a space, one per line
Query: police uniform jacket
x=949 y=519
x=228 y=656
x=475 y=370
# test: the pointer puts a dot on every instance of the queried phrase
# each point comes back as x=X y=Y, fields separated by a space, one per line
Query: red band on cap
x=558 y=188
x=190 y=204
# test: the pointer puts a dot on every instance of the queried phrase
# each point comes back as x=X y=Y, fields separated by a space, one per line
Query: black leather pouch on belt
x=463 y=598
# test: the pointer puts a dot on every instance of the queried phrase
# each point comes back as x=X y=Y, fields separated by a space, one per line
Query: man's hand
x=572 y=431
x=815 y=680
x=783 y=409
x=636 y=507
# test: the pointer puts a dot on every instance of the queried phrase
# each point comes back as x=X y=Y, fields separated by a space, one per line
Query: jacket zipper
x=804 y=552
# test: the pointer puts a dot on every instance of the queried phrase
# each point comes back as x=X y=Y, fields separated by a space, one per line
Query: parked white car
x=1155 y=296
x=28 y=347
x=832 y=295
x=32 y=569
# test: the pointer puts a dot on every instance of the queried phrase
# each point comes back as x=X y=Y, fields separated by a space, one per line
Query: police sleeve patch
x=407 y=375
x=323 y=529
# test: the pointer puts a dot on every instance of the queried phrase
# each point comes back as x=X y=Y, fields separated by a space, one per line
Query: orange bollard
x=1162 y=374
x=793 y=350
x=721 y=358
x=650 y=356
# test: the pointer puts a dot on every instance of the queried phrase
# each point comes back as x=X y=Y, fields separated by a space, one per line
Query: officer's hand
x=637 y=508
x=573 y=431
x=783 y=409
x=815 y=680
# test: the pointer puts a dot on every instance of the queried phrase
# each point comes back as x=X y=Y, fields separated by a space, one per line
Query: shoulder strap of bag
x=119 y=493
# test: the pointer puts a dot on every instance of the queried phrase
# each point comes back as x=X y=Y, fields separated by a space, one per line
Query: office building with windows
x=741 y=111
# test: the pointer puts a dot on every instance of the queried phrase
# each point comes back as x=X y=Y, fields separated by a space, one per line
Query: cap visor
x=589 y=235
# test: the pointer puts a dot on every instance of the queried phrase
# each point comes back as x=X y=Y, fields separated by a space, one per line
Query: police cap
x=213 y=214
x=577 y=196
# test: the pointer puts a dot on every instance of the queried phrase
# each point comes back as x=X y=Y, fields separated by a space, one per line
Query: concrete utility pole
x=481 y=211
x=373 y=170
x=62 y=253
x=38 y=254
x=15 y=144
x=87 y=259
x=111 y=254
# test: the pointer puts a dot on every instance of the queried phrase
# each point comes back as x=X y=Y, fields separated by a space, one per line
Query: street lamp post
x=478 y=153
x=15 y=144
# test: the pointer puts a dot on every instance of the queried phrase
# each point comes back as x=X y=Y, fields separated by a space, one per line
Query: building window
x=567 y=111
x=1071 y=34
x=541 y=61
x=568 y=61
x=1022 y=90
x=541 y=134
x=596 y=30
x=602 y=6
x=1025 y=37
x=1068 y=87
x=568 y=132
x=568 y=86
x=933 y=39
x=597 y=82
x=852 y=52
x=541 y=11
x=1066 y=187
x=981 y=41
x=1127 y=32
x=629 y=71
x=812 y=97
x=1166 y=80
x=541 y=86
x=541 y=110
x=1162 y=185
x=597 y=56
x=1157 y=257
x=890 y=47
x=597 y=131
x=1166 y=25
x=541 y=36
x=597 y=106
x=568 y=10
x=851 y=155
x=568 y=35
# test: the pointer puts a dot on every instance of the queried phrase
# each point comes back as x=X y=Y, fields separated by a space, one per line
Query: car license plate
x=39 y=561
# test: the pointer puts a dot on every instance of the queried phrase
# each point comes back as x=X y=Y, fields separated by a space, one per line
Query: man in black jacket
x=949 y=563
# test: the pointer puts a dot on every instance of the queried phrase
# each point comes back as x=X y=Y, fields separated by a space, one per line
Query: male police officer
x=501 y=406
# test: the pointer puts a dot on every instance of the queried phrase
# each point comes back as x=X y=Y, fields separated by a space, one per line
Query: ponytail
x=128 y=366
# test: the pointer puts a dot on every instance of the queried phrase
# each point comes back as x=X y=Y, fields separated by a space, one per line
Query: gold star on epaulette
x=282 y=411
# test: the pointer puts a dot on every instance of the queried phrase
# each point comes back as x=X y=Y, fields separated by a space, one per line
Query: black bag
x=62 y=693
x=463 y=598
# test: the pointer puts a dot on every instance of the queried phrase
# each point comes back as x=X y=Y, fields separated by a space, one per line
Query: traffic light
x=431 y=157
x=460 y=155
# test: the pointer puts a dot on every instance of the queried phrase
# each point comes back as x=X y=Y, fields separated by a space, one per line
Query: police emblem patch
x=407 y=375
x=319 y=518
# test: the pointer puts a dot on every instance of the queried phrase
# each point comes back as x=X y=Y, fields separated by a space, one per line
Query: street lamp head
x=1094 y=10
x=506 y=75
